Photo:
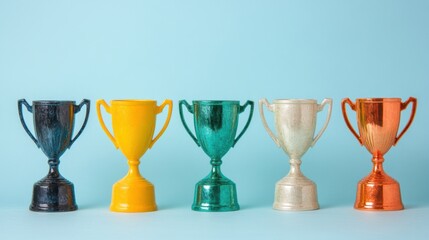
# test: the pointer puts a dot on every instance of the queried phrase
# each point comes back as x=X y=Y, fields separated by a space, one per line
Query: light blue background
x=221 y=49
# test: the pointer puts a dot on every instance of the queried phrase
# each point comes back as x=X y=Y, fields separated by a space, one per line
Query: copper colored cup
x=378 y=123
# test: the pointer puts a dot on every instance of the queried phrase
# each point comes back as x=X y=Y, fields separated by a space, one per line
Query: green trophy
x=216 y=125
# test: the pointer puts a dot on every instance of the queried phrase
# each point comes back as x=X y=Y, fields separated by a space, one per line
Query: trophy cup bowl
x=53 y=126
x=133 y=123
x=295 y=122
x=378 y=123
x=215 y=125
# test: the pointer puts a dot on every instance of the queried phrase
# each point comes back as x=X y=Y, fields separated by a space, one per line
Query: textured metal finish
x=295 y=122
x=216 y=125
x=378 y=123
x=53 y=124
x=133 y=123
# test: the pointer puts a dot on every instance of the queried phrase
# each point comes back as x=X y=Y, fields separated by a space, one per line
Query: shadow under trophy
x=133 y=123
x=216 y=125
x=295 y=122
x=378 y=122
x=53 y=127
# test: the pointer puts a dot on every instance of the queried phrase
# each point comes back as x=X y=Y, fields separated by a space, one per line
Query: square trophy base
x=296 y=193
x=378 y=192
x=215 y=195
x=133 y=195
x=53 y=195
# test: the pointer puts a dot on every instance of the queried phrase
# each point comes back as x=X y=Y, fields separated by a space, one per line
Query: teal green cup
x=215 y=125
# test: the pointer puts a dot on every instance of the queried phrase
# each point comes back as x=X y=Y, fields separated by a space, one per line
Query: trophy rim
x=295 y=100
x=215 y=102
x=379 y=99
x=53 y=102
x=132 y=101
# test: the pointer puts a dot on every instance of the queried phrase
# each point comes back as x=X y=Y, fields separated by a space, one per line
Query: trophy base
x=296 y=193
x=215 y=195
x=378 y=192
x=133 y=195
x=53 y=195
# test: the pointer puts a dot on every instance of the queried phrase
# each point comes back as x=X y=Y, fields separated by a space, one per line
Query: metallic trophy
x=53 y=125
x=133 y=124
x=295 y=121
x=215 y=127
x=378 y=123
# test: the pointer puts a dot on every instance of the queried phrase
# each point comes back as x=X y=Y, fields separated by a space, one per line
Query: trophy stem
x=53 y=168
x=378 y=164
x=295 y=168
x=133 y=171
x=216 y=173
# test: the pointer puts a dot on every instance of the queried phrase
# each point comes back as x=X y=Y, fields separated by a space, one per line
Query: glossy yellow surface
x=133 y=123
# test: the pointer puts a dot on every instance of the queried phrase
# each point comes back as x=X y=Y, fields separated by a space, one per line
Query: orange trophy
x=378 y=123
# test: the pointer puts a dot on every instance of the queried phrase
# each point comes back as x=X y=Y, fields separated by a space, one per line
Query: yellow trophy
x=133 y=123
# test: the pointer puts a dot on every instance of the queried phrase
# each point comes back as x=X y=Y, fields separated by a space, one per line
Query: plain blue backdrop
x=243 y=50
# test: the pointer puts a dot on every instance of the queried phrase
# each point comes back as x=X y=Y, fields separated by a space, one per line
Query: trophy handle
x=242 y=108
x=189 y=107
x=269 y=106
x=21 y=117
x=328 y=117
x=100 y=119
x=353 y=107
x=76 y=110
x=413 y=112
x=167 y=121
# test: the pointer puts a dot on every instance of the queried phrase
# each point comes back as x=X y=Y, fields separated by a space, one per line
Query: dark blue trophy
x=53 y=126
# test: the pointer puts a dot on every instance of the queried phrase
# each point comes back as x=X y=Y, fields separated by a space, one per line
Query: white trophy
x=295 y=122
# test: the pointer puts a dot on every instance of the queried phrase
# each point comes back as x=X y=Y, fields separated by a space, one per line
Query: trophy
x=53 y=125
x=216 y=125
x=133 y=123
x=295 y=122
x=378 y=123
